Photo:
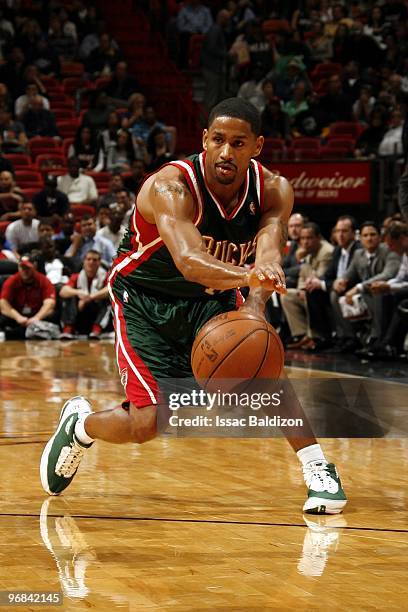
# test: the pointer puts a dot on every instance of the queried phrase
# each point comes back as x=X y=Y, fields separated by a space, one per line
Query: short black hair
x=240 y=109
x=396 y=230
x=314 y=227
x=354 y=224
x=370 y=224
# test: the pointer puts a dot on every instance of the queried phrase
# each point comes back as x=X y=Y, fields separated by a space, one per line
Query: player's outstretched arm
x=271 y=239
x=174 y=210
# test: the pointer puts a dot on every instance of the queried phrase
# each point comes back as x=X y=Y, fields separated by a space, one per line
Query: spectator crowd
x=78 y=135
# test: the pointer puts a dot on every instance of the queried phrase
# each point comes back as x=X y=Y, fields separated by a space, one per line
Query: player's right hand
x=268 y=276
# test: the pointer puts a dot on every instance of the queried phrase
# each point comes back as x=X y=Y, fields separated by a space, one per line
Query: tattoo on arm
x=171 y=189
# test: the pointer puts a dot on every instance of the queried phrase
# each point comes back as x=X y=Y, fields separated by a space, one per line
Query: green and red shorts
x=155 y=333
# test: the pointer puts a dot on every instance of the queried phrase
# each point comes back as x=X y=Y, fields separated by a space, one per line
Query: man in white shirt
x=79 y=188
x=391 y=298
x=115 y=230
x=27 y=100
x=25 y=229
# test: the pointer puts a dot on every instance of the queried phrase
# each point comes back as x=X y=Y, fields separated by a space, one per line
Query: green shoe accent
x=325 y=493
x=63 y=453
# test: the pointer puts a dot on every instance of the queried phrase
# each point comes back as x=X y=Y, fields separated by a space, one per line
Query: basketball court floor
x=189 y=524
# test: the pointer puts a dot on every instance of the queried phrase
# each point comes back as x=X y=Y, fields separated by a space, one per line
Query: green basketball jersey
x=144 y=259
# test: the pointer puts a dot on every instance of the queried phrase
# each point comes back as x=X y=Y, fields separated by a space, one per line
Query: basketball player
x=195 y=224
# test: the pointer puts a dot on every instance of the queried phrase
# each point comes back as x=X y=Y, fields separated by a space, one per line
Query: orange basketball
x=236 y=345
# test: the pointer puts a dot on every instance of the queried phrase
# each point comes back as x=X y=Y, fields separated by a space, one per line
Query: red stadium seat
x=30 y=192
x=72 y=84
x=271 y=26
x=48 y=161
x=19 y=159
x=272 y=150
x=306 y=143
x=72 y=69
x=336 y=153
x=299 y=153
x=342 y=143
x=28 y=176
x=3 y=226
x=325 y=70
x=79 y=210
x=346 y=128
x=63 y=114
x=67 y=129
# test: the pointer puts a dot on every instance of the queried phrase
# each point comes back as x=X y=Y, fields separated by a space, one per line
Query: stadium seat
x=19 y=159
x=346 y=128
x=48 y=161
x=79 y=210
x=335 y=153
x=306 y=143
x=302 y=154
x=271 y=26
x=272 y=150
x=342 y=143
x=72 y=69
x=28 y=179
x=67 y=129
x=30 y=192
x=63 y=114
x=3 y=226
x=71 y=84
x=325 y=70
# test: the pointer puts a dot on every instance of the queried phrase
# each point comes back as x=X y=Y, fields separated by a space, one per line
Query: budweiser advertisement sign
x=328 y=183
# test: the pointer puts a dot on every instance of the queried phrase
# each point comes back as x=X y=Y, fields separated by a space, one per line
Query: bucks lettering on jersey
x=144 y=259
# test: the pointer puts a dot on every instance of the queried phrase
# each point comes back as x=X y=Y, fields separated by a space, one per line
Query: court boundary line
x=195 y=521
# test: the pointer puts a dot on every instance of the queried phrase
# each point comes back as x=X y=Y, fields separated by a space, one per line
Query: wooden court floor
x=187 y=524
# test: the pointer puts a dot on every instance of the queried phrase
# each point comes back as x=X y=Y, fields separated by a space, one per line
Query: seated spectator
x=5 y=254
x=10 y=196
x=126 y=199
x=365 y=48
x=252 y=89
x=102 y=218
x=79 y=188
x=29 y=100
x=12 y=71
x=62 y=43
x=38 y=121
x=28 y=35
x=373 y=262
x=85 y=149
x=96 y=117
x=363 y=107
x=32 y=76
x=136 y=104
x=49 y=262
x=63 y=237
x=121 y=86
x=50 y=202
x=352 y=81
x=7 y=32
x=87 y=240
x=5 y=164
x=85 y=300
x=193 y=18
x=26 y=297
x=121 y=153
x=375 y=26
x=24 y=230
x=158 y=150
x=391 y=143
x=298 y=104
x=294 y=254
x=335 y=105
x=103 y=59
x=342 y=46
x=293 y=72
x=259 y=47
x=13 y=138
x=319 y=293
x=134 y=181
x=114 y=230
x=45 y=232
x=311 y=121
x=115 y=185
x=368 y=142
x=45 y=59
x=107 y=138
x=318 y=253
x=275 y=122
x=391 y=301
x=143 y=127
x=320 y=44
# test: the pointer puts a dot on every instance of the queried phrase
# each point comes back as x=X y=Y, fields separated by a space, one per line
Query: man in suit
x=318 y=254
x=373 y=262
x=291 y=261
x=391 y=299
x=319 y=290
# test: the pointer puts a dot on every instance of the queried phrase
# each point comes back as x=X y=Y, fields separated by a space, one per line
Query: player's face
x=230 y=144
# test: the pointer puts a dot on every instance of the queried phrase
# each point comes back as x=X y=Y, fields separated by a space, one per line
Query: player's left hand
x=269 y=276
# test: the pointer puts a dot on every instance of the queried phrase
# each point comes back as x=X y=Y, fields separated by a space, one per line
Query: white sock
x=311 y=453
x=80 y=432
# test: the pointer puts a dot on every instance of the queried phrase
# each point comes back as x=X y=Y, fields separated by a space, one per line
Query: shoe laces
x=69 y=460
x=319 y=477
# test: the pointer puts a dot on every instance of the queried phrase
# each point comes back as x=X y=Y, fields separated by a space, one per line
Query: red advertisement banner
x=328 y=183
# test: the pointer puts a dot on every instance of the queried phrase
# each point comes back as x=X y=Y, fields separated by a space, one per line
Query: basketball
x=236 y=345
